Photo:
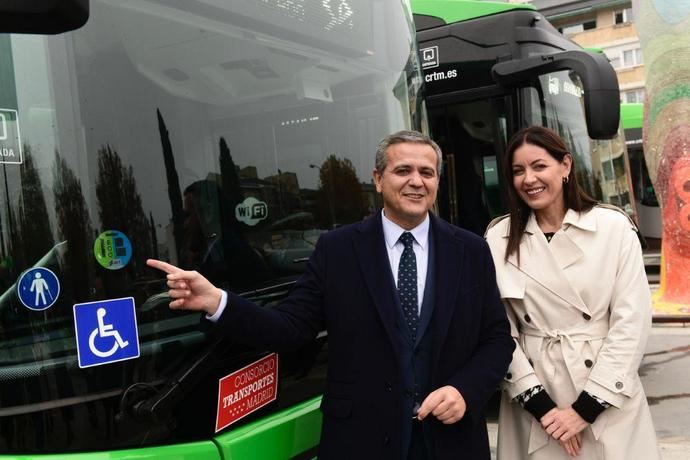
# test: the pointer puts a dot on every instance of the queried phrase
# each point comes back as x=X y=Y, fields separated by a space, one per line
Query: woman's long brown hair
x=573 y=196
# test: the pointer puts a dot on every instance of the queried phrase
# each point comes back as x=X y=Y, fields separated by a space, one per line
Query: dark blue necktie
x=407 y=283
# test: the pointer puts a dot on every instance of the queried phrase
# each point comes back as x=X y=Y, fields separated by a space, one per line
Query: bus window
x=556 y=100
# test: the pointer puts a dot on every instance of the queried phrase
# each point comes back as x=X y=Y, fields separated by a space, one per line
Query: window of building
x=632 y=57
x=633 y=95
x=623 y=16
x=578 y=27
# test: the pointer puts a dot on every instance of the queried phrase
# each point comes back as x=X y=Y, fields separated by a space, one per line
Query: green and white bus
x=492 y=68
x=224 y=136
x=649 y=212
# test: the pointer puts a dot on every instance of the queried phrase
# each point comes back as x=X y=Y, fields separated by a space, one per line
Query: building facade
x=606 y=25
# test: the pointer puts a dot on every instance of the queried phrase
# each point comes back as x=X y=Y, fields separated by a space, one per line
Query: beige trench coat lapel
x=543 y=267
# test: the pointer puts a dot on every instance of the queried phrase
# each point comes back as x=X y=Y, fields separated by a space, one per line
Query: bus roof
x=451 y=11
x=632 y=115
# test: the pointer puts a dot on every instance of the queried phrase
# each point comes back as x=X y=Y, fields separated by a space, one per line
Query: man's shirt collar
x=392 y=232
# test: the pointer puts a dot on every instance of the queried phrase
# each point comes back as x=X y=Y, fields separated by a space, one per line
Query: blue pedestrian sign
x=38 y=288
x=106 y=331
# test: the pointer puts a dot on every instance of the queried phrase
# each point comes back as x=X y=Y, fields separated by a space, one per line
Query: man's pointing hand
x=188 y=289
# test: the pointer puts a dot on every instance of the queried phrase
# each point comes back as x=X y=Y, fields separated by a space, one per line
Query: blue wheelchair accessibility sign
x=106 y=331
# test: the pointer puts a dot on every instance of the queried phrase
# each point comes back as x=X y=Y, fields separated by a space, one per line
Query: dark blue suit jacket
x=348 y=290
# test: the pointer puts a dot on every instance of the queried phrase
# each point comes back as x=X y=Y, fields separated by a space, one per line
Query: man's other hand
x=188 y=289
x=446 y=404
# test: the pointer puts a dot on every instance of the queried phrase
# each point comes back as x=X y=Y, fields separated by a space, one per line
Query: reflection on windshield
x=557 y=101
x=225 y=137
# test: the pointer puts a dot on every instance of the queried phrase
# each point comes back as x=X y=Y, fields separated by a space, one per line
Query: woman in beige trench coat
x=571 y=275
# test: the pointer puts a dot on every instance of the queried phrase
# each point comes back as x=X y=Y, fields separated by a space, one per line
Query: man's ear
x=377 y=180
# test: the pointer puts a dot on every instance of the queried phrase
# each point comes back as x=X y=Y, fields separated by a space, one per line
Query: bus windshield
x=556 y=100
x=224 y=137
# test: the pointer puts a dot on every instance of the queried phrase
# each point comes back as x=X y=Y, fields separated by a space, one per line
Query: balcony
x=603 y=36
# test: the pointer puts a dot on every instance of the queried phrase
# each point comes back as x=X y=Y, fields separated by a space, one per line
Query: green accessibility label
x=112 y=249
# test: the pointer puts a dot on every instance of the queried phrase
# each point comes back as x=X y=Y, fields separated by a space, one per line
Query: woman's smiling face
x=538 y=177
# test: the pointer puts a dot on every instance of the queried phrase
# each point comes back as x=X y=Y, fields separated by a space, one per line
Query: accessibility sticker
x=112 y=249
x=106 y=331
x=247 y=390
x=38 y=288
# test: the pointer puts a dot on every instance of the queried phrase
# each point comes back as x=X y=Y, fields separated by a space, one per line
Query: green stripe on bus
x=632 y=115
x=462 y=10
x=284 y=434
x=203 y=450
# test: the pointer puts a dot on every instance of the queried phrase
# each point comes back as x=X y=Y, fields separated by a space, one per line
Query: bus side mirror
x=601 y=93
x=45 y=17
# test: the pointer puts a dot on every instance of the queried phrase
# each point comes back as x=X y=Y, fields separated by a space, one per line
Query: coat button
x=586 y=316
x=619 y=385
x=527 y=318
x=387 y=386
x=509 y=376
x=588 y=362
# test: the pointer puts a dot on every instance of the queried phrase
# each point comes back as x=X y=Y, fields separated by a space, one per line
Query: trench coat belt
x=594 y=330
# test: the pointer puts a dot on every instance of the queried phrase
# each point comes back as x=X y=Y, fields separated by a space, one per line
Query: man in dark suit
x=418 y=338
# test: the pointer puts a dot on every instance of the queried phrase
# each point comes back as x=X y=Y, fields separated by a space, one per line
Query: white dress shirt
x=391 y=233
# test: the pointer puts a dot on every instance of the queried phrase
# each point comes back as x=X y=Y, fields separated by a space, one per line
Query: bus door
x=472 y=134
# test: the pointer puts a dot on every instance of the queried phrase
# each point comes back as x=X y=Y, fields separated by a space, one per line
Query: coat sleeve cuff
x=615 y=398
x=587 y=407
x=516 y=387
x=539 y=404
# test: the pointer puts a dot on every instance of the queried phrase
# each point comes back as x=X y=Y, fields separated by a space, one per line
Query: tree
x=230 y=187
x=74 y=228
x=34 y=226
x=119 y=204
x=174 y=191
x=154 y=238
x=340 y=198
x=228 y=173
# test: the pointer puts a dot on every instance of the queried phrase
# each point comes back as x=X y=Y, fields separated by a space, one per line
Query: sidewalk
x=677 y=448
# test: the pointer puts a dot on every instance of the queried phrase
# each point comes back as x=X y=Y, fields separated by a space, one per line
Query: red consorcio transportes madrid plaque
x=247 y=390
